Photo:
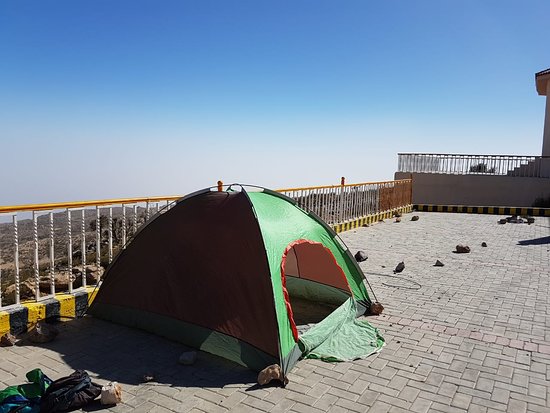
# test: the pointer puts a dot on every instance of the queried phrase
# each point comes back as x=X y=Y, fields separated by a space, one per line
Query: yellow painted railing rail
x=68 y=242
x=6 y=209
x=82 y=204
x=307 y=188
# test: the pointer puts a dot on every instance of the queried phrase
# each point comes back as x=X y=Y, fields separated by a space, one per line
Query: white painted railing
x=55 y=247
x=51 y=248
x=345 y=202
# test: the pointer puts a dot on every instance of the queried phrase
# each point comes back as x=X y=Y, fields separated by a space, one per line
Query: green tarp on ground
x=341 y=337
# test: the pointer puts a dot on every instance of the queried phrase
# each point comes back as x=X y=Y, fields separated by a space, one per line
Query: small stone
x=462 y=249
x=484 y=244
x=398 y=219
x=187 y=358
x=415 y=218
x=400 y=267
x=7 y=340
x=42 y=333
x=361 y=256
x=148 y=377
x=438 y=264
x=502 y=221
x=376 y=308
x=272 y=372
x=530 y=220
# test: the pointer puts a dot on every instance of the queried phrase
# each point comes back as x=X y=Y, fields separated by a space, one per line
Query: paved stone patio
x=473 y=335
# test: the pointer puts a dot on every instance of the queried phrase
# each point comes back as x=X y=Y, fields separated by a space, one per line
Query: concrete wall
x=476 y=190
x=546 y=136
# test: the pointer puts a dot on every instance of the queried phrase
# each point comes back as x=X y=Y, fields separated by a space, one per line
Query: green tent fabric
x=341 y=337
x=271 y=211
x=219 y=271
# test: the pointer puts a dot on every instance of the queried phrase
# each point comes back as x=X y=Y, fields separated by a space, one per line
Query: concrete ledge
x=535 y=212
x=61 y=307
x=370 y=219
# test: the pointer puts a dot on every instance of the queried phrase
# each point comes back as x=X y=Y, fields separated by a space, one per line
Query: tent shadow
x=535 y=241
x=109 y=352
x=96 y=406
x=273 y=383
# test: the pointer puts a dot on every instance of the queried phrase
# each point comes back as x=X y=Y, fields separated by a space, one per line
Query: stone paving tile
x=473 y=335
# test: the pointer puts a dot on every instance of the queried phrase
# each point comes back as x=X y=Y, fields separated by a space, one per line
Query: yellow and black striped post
x=62 y=307
x=492 y=210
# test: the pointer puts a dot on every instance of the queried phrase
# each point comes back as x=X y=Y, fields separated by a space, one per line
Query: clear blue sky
x=104 y=99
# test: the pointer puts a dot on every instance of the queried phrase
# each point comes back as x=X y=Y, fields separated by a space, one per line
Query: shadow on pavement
x=535 y=241
x=116 y=353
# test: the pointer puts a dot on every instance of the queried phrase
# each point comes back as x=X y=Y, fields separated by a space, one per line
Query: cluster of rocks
x=462 y=249
x=38 y=333
x=515 y=219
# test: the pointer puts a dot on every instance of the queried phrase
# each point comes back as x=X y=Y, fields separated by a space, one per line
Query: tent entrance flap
x=314 y=282
x=312 y=273
x=341 y=336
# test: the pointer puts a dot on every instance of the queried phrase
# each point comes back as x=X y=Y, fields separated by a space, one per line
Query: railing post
x=16 y=257
x=98 y=239
x=83 y=247
x=135 y=220
x=36 y=264
x=110 y=230
x=342 y=195
x=123 y=226
x=70 y=251
x=52 y=256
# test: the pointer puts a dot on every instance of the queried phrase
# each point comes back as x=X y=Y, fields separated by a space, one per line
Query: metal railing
x=64 y=247
x=345 y=202
x=458 y=164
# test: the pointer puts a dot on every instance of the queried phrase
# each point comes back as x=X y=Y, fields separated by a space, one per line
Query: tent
x=219 y=271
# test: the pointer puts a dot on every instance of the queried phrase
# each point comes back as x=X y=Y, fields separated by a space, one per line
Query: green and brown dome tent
x=218 y=271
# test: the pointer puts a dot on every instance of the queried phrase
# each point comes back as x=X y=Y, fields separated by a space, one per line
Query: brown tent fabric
x=201 y=262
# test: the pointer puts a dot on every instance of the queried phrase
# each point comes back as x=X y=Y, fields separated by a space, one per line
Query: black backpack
x=69 y=393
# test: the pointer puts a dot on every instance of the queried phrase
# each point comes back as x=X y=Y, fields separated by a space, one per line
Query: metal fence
x=511 y=165
x=50 y=248
x=345 y=202
x=64 y=247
